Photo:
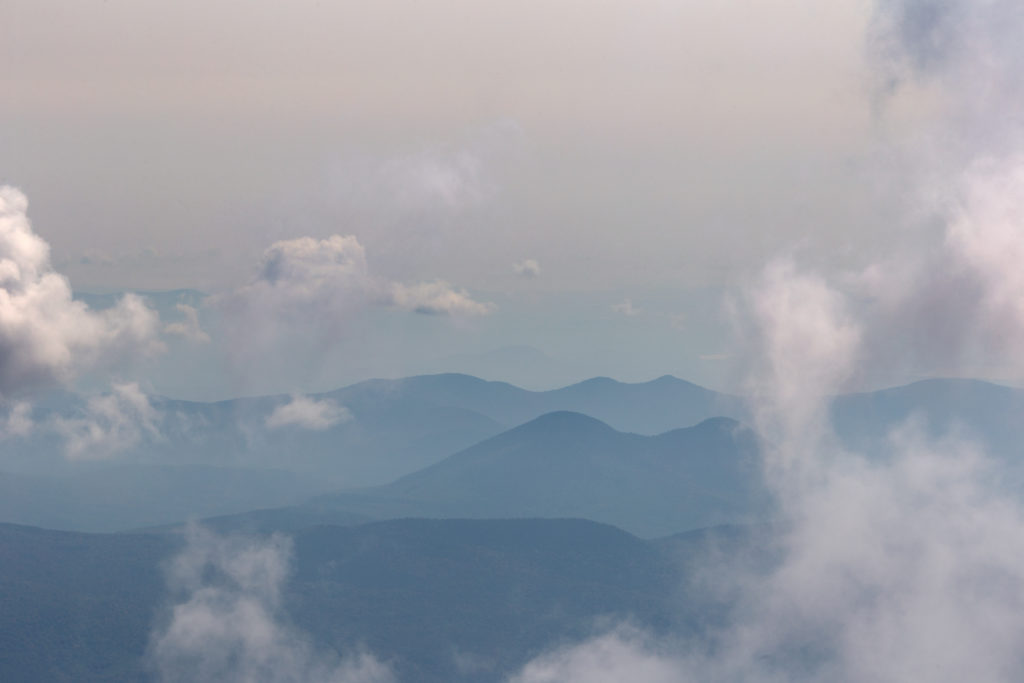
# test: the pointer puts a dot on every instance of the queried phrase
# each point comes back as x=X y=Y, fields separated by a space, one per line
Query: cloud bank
x=228 y=622
x=46 y=337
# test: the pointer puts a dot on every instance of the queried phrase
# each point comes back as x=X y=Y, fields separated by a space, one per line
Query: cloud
x=452 y=179
x=46 y=337
x=189 y=327
x=527 y=269
x=18 y=422
x=908 y=563
x=228 y=622
x=308 y=280
x=621 y=655
x=436 y=298
x=307 y=292
x=307 y=413
x=626 y=308
x=109 y=424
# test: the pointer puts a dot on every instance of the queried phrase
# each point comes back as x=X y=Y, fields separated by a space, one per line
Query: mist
x=903 y=564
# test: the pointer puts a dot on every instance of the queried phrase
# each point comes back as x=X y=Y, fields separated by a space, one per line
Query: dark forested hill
x=439 y=600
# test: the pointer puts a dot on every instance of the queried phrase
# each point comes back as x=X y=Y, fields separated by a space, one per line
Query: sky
x=597 y=176
x=790 y=199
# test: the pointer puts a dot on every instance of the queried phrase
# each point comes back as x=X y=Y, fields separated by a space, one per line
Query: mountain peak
x=565 y=420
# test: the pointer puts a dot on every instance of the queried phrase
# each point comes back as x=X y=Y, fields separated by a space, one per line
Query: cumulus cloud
x=436 y=298
x=108 y=424
x=307 y=413
x=46 y=337
x=529 y=268
x=307 y=291
x=188 y=327
x=228 y=621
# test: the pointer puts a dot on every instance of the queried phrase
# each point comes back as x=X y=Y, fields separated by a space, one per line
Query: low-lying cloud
x=228 y=622
x=305 y=412
x=109 y=424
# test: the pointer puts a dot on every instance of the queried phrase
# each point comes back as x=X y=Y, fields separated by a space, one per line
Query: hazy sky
x=573 y=163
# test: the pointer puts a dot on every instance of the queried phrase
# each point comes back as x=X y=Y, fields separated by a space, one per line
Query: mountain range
x=568 y=465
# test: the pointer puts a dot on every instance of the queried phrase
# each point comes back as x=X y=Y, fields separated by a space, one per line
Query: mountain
x=989 y=414
x=439 y=600
x=386 y=428
x=102 y=497
x=570 y=465
x=645 y=408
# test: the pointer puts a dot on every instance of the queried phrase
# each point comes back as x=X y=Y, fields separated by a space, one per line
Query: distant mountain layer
x=441 y=601
x=389 y=427
x=989 y=414
x=570 y=465
x=397 y=427
x=97 y=497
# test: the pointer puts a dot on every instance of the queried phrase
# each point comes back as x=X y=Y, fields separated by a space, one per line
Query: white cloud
x=529 y=268
x=307 y=413
x=109 y=424
x=437 y=298
x=307 y=292
x=621 y=655
x=308 y=280
x=45 y=336
x=229 y=624
x=189 y=327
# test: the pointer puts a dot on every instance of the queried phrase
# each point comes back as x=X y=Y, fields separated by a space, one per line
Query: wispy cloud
x=188 y=327
x=228 y=620
x=626 y=308
x=109 y=424
x=528 y=269
x=18 y=422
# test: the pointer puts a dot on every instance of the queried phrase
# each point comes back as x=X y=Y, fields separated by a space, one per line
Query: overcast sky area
x=569 y=188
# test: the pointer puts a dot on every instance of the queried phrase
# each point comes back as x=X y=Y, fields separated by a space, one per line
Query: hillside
x=570 y=465
x=429 y=597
